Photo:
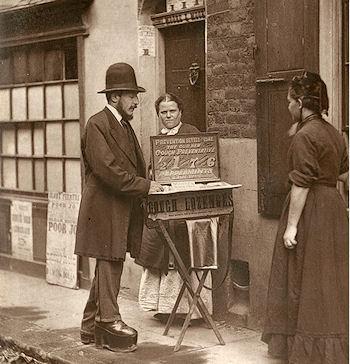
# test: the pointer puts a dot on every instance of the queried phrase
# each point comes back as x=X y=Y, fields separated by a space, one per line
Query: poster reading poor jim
x=61 y=263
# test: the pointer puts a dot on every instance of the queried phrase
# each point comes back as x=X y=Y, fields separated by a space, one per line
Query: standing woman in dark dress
x=307 y=307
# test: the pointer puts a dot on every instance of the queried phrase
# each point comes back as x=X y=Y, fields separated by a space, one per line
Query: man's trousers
x=102 y=303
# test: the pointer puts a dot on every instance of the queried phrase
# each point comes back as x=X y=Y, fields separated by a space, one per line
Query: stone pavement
x=42 y=321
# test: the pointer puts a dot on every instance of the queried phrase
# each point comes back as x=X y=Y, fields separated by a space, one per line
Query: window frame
x=33 y=123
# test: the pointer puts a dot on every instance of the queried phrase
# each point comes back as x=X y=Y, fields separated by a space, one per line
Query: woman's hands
x=298 y=197
x=289 y=237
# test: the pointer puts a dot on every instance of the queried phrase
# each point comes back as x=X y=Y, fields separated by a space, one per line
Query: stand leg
x=173 y=312
x=186 y=278
x=191 y=310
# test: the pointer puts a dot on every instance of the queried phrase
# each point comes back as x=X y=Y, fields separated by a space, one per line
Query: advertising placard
x=62 y=215
x=21 y=230
x=147 y=40
x=190 y=204
x=187 y=157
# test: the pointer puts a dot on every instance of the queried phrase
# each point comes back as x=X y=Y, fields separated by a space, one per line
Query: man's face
x=127 y=103
x=169 y=114
x=294 y=108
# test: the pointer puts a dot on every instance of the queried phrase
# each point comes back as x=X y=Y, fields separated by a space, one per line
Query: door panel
x=184 y=45
x=287 y=44
x=285 y=15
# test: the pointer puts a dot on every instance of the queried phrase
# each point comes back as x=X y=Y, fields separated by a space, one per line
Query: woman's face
x=294 y=108
x=169 y=114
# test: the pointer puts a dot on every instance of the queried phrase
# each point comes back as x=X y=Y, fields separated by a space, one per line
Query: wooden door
x=286 y=44
x=184 y=46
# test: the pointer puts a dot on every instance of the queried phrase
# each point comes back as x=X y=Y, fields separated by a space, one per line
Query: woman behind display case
x=307 y=306
x=160 y=281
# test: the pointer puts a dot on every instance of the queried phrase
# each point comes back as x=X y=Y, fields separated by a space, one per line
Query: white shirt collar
x=115 y=113
x=173 y=131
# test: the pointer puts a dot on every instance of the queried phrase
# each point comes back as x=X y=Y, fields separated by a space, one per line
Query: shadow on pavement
x=31 y=313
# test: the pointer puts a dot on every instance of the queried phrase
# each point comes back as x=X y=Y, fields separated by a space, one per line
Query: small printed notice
x=187 y=157
x=147 y=40
x=61 y=262
x=22 y=230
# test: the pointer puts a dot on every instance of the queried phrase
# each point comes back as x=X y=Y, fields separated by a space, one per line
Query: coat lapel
x=120 y=136
x=139 y=155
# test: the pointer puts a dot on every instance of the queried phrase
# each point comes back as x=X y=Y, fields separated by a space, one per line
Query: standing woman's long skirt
x=307 y=306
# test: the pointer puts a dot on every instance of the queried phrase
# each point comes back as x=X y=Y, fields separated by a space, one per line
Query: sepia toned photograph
x=174 y=181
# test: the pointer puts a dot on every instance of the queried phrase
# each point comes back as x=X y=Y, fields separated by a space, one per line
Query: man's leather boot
x=115 y=336
x=87 y=337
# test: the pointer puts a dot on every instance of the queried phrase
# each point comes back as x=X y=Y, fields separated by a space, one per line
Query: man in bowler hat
x=110 y=218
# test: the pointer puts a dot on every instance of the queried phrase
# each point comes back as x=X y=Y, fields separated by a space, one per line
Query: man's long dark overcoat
x=110 y=217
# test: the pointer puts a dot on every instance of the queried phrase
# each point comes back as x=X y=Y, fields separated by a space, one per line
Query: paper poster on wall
x=147 y=40
x=61 y=262
x=22 y=230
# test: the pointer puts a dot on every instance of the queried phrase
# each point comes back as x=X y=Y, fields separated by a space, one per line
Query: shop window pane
x=53 y=102
x=8 y=141
x=72 y=138
x=53 y=65
x=24 y=141
x=36 y=103
x=20 y=66
x=39 y=175
x=35 y=65
x=9 y=170
x=71 y=101
x=73 y=176
x=5 y=68
x=25 y=174
x=19 y=104
x=38 y=141
x=71 y=61
x=54 y=139
x=54 y=175
x=4 y=104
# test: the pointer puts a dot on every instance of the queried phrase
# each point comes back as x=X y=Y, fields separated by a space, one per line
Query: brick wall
x=231 y=68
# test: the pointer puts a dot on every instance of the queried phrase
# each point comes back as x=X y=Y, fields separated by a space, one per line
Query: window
x=39 y=118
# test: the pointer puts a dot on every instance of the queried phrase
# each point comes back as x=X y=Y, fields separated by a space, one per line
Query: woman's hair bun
x=310 y=88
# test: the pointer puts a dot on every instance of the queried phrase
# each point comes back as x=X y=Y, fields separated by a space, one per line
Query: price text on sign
x=191 y=157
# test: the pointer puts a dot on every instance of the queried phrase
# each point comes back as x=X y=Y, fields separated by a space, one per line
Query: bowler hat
x=121 y=77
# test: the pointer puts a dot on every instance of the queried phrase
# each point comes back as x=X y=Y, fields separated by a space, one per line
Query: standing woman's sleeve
x=304 y=168
x=344 y=165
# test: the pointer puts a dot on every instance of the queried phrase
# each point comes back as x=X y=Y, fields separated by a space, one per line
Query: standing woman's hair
x=311 y=90
x=168 y=97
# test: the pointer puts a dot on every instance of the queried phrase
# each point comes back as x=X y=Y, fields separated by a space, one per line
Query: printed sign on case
x=61 y=262
x=22 y=230
x=186 y=157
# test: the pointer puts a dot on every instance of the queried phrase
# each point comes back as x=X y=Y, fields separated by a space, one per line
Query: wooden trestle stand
x=188 y=168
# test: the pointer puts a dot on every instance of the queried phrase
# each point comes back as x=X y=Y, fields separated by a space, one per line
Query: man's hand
x=155 y=187
x=289 y=237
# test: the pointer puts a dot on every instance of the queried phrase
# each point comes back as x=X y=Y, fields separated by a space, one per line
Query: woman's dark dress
x=307 y=307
